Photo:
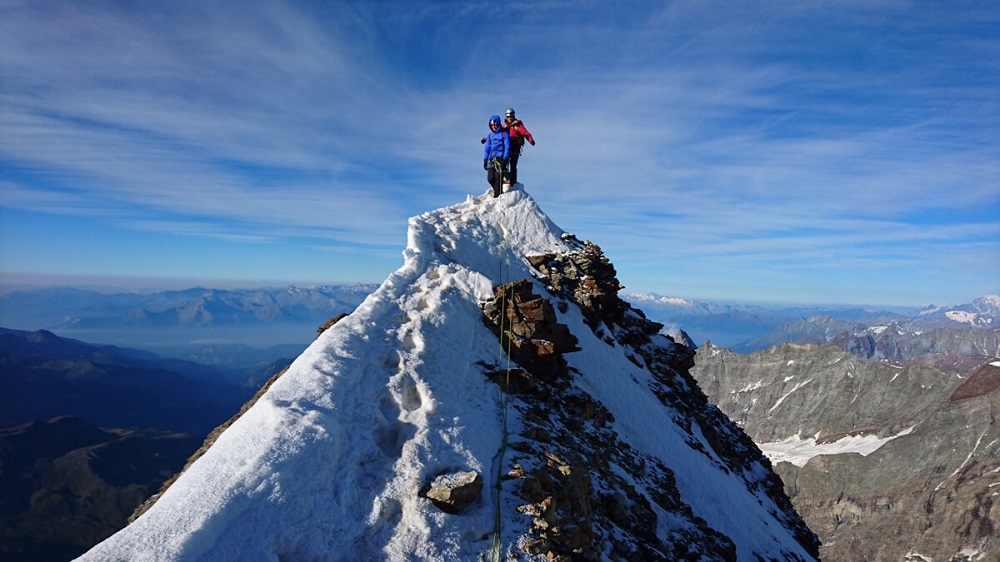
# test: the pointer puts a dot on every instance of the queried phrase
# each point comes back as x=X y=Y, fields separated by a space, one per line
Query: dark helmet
x=510 y=112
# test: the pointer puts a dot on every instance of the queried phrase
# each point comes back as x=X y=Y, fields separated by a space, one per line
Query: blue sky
x=814 y=152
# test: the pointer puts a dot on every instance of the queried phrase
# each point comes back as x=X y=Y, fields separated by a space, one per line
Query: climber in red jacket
x=518 y=134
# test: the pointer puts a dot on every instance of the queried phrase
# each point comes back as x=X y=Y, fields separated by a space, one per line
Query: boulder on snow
x=454 y=492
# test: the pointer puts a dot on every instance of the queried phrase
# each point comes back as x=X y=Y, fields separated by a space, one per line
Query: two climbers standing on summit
x=503 y=149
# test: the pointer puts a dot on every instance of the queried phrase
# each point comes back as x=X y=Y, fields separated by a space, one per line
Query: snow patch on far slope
x=676 y=301
x=798 y=451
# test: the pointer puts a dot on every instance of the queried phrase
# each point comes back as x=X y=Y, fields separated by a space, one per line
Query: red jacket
x=518 y=134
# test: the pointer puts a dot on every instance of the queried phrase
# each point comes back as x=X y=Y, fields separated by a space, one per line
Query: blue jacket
x=497 y=142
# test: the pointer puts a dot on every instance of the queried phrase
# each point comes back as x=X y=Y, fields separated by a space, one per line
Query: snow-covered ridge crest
x=334 y=459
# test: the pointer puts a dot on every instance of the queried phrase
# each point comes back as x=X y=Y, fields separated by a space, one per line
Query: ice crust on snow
x=328 y=464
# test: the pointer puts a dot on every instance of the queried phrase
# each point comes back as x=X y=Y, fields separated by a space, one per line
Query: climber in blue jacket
x=495 y=154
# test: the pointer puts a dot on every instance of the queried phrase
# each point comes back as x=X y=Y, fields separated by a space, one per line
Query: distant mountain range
x=198 y=323
x=170 y=319
x=44 y=376
x=967 y=330
x=730 y=324
x=904 y=333
x=241 y=332
x=54 y=308
x=66 y=483
x=884 y=460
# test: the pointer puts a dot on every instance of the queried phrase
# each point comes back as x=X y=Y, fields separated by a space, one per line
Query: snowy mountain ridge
x=883 y=460
x=982 y=311
x=619 y=457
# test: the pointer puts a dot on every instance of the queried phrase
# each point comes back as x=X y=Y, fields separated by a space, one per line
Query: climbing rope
x=496 y=549
x=498 y=166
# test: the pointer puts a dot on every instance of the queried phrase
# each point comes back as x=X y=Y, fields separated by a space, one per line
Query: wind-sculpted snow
x=332 y=461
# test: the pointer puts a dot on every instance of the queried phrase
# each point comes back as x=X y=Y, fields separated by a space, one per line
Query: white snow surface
x=328 y=463
x=661 y=300
x=961 y=316
x=798 y=450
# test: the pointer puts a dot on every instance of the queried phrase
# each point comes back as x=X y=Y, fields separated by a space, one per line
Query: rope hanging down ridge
x=497 y=546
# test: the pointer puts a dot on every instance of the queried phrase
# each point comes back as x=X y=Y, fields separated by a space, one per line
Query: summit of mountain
x=494 y=397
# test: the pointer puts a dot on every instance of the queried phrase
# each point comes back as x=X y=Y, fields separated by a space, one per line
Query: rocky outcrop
x=527 y=327
x=330 y=323
x=586 y=278
x=984 y=381
x=587 y=494
x=922 y=491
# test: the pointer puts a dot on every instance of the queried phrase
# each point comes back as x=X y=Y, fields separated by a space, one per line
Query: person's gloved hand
x=483 y=141
x=532 y=143
x=486 y=164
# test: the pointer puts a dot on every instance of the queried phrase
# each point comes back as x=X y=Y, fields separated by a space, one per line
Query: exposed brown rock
x=454 y=492
x=986 y=379
x=527 y=327
x=585 y=277
x=329 y=323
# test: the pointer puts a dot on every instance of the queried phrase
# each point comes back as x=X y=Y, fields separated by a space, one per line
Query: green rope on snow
x=496 y=550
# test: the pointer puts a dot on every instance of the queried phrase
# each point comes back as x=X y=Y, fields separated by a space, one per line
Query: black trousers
x=515 y=153
x=494 y=175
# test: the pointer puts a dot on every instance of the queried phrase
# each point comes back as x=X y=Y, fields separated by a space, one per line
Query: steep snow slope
x=330 y=463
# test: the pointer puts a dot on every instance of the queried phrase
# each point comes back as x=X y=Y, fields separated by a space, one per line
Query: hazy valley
x=208 y=366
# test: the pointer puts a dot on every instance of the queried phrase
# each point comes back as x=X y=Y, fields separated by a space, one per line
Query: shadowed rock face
x=65 y=484
x=927 y=490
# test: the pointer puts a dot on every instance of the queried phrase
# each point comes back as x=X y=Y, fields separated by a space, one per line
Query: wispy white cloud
x=769 y=133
